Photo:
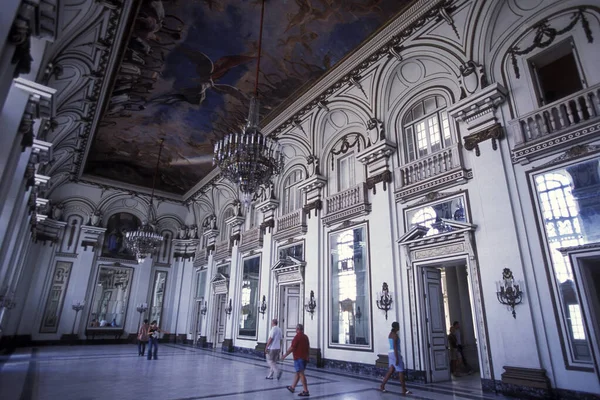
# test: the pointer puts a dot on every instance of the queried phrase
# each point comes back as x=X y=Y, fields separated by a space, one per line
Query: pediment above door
x=220 y=283
x=289 y=270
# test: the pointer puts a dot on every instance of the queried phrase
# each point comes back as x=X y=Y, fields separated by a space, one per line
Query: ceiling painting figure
x=188 y=72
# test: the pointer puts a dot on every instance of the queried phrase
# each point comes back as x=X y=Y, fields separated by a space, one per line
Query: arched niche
x=114 y=237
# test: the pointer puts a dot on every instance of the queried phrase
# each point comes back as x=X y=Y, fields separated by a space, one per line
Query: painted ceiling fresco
x=189 y=69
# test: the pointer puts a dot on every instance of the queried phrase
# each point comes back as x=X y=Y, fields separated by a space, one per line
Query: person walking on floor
x=300 y=347
x=396 y=364
x=153 y=333
x=273 y=350
x=143 y=338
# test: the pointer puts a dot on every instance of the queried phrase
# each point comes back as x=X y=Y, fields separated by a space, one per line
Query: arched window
x=426 y=128
x=292 y=197
x=225 y=227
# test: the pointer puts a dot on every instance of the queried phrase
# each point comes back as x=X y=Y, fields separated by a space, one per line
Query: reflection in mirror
x=110 y=298
x=158 y=296
x=349 y=288
x=248 y=315
x=433 y=214
x=569 y=199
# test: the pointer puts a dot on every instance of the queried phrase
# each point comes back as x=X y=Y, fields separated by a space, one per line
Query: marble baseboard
x=377 y=370
x=227 y=346
x=524 y=392
x=251 y=352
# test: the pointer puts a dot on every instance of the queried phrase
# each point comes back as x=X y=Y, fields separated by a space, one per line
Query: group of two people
x=148 y=334
x=299 y=349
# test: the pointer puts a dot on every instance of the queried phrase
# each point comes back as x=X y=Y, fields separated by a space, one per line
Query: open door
x=290 y=313
x=435 y=322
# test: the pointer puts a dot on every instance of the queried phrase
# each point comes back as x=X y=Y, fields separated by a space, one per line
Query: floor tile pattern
x=186 y=373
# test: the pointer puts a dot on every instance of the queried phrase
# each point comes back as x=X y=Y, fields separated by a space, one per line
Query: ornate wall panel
x=56 y=297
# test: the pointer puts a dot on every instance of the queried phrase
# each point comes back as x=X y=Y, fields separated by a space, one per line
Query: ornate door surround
x=421 y=251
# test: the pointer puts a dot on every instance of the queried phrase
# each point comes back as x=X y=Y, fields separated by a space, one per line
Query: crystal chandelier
x=249 y=159
x=145 y=240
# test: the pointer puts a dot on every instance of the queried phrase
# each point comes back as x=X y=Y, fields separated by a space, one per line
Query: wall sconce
x=358 y=314
x=311 y=306
x=263 y=306
x=385 y=300
x=204 y=308
x=508 y=292
x=229 y=308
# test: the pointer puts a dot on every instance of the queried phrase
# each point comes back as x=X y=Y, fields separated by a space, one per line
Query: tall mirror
x=158 y=296
x=248 y=315
x=110 y=298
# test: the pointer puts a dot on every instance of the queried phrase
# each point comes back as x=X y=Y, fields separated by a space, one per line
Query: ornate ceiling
x=188 y=68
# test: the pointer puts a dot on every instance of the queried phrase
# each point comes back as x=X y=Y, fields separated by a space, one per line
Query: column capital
x=49 y=230
x=92 y=236
x=41 y=98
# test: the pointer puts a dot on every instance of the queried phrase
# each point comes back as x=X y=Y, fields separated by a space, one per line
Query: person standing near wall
x=396 y=364
x=273 y=350
x=300 y=347
x=143 y=338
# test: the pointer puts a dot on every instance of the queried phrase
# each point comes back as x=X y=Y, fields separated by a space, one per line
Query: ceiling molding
x=371 y=51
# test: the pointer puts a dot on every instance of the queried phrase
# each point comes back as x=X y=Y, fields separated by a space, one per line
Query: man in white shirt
x=272 y=350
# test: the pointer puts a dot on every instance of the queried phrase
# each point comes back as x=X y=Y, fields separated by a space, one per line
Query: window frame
x=225 y=227
x=366 y=319
x=531 y=62
x=289 y=206
x=410 y=136
x=565 y=338
x=346 y=158
x=257 y=303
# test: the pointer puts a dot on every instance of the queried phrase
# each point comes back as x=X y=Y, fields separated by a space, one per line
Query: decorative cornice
x=384 y=176
x=472 y=141
x=267 y=205
x=234 y=239
x=312 y=183
x=381 y=45
x=573 y=153
x=477 y=111
x=267 y=224
x=316 y=205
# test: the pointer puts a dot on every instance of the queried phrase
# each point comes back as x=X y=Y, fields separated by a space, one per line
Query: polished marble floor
x=185 y=373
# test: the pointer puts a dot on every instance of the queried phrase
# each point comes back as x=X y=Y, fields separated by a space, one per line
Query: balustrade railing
x=291 y=224
x=250 y=239
x=347 y=204
x=201 y=257
x=553 y=118
x=222 y=249
x=290 y=221
x=436 y=164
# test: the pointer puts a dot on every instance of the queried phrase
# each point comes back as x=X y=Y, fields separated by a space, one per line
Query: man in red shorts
x=300 y=347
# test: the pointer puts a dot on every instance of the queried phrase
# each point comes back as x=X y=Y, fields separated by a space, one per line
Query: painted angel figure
x=207 y=74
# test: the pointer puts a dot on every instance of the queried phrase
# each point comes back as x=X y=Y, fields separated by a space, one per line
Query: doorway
x=197 y=321
x=220 y=319
x=446 y=299
x=289 y=312
x=585 y=321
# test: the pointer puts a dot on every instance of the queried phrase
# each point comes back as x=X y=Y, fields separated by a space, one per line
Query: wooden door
x=290 y=313
x=435 y=322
